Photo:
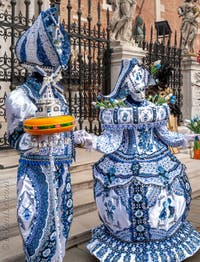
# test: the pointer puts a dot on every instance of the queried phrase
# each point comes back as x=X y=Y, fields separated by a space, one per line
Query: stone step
x=81 y=228
x=80 y=181
x=83 y=202
x=10 y=174
x=9 y=158
x=11 y=249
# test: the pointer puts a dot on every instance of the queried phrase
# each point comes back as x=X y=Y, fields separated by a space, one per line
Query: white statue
x=189 y=12
x=121 y=22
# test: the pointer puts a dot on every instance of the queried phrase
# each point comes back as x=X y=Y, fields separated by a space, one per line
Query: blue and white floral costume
x=141 y=189
x=44 y=196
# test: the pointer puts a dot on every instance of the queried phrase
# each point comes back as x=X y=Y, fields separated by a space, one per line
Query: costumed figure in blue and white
x=44 y=197
x=141 y=189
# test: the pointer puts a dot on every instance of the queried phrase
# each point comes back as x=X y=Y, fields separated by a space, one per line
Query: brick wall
x=84 y=8
x=152 y=10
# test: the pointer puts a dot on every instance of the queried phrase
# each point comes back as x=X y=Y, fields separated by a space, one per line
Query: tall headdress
x=127 y=76
x=45 y=43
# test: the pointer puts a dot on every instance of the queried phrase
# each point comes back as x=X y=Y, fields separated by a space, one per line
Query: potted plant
x=194 y=125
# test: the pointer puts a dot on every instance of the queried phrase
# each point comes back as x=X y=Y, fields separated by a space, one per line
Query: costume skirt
x=144 y=217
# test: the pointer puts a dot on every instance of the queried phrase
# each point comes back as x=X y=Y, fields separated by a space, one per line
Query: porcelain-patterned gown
x=141 y=189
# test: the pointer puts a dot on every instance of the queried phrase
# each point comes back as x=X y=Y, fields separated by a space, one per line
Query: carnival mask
x=137 y=82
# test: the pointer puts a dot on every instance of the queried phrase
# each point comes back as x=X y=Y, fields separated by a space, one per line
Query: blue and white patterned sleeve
x=106 y=143
x=109 y=141
x=18 y=108
x=173 y=139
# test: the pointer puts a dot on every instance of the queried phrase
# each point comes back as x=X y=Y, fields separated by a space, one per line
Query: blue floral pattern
x=145 y=142
x=178 y=247
x=109 y=209
x=133 y=182
x=141 y=189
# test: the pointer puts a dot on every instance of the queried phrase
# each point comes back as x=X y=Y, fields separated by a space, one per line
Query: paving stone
x=79 y=254
x=195 y=258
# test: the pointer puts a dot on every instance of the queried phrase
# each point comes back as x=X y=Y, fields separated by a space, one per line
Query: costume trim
x=183 y=244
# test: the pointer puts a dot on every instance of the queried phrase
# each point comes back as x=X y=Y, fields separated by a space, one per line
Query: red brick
x=147 y=13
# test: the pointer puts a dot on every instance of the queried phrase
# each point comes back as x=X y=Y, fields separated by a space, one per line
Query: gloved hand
x=189 y=138
x=84 y=139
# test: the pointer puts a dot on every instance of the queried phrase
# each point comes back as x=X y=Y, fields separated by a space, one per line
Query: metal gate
x=163 y=49
x=88 y=72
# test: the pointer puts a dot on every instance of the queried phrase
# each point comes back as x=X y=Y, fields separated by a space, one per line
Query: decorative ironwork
x=88 y=67
x=163 y=50
x=88 y=71
x=12 y=24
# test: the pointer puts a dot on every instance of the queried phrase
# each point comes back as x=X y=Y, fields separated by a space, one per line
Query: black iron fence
x=88 y=71
x=169 y=53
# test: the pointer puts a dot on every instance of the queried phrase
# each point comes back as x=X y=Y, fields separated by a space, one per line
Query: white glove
x=84 y=139
x=189 y=138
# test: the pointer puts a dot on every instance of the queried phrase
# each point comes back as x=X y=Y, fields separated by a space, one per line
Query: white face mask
x=137 y=83
x=139 y=94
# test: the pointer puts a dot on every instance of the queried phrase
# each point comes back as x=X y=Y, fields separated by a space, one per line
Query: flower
x=157 y=64
x=196 y=143
x=112 y=100
x=155 y=67
x=111 y=103
x=172 y=100
x=163 y=97
x=194 y=124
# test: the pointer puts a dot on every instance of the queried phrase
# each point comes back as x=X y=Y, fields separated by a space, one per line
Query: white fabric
x=120 y=222
x=177 y=202
x=26 y=201
x=83 y=138
x=106 y=143
x=19 y=107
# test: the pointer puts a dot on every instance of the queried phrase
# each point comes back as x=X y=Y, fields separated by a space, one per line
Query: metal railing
x=88 y=70
x=170 y=53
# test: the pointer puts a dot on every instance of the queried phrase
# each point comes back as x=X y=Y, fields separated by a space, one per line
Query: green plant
x=196 y=143
x=194 y=124
x=155 y=67
x=160 y=99
x=111 y=103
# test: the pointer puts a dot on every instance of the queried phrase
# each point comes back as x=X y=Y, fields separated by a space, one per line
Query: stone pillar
x=122 y=51
x=46 y=4
x=191 y=87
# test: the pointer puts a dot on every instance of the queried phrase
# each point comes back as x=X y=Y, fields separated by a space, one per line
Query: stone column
x=122 y=50
x=191 y=87
x=46 y=4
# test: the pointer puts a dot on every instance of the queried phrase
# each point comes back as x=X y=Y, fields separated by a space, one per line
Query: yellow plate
x=49 y=125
